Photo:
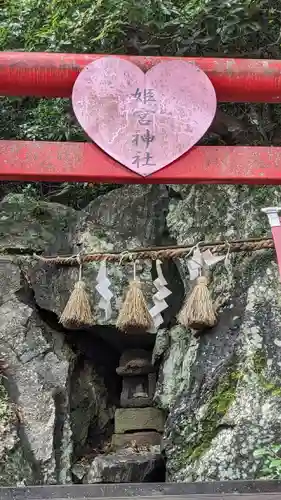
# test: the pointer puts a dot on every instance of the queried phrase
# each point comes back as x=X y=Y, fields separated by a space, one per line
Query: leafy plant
x=155 y=27
x=243 y=28
x=271 y=461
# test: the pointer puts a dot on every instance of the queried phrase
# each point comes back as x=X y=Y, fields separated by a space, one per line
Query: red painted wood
x=74 y=162
x=276 y=235
x=53 y=75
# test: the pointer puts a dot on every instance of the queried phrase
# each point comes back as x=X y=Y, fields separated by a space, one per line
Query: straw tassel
x=134 y=314
x=198 y=311
x=77 y=311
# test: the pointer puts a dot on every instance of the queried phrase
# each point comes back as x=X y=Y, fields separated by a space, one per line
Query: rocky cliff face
x=221 y=392
x=223 y=399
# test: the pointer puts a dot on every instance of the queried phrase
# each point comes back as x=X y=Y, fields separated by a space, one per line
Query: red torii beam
x=53 y=75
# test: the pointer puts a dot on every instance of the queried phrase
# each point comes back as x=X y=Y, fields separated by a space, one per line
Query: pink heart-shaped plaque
x=144 y=120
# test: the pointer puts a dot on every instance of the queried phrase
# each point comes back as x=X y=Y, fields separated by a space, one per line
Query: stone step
x=138 y=419
x=136 y=438
x=126 y=466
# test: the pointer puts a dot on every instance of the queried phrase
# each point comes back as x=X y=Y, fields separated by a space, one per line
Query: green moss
x=40 y=213
x=270 y=388
x=218 y=405
x=259 y=361
x=35 y=225
x=100 y=233
x=259 y=365
x=219 y=402
x=262 y=194
x=15 y=469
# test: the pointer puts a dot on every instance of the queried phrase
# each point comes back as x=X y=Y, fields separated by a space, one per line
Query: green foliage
x=154 y=26
x=248 y=28
x=77 y=25
x=166 y=27
x=270 y=458
x=234 y=27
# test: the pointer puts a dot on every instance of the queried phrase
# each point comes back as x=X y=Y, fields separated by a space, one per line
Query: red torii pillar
x=53 y=75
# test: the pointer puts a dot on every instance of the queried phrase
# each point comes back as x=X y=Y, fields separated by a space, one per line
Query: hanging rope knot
x=198 y=311
x=202 y=281
x=134 y=315
x=125 y=255
x=77 y=311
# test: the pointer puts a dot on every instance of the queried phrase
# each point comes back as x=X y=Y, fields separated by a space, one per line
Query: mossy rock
x=229 y=402
x=29 y=225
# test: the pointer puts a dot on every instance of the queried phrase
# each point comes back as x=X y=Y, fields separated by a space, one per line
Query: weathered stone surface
x=55 y=409
x=32 y=226
x=175 y=374
x=37 y=380
x=137 y=438
x=130 y=217
x=223 y=390
x=162 y=342
x=124 y=466
x=88 y=404
x=138 y=419
x=14 y=467
x=79 y=470
x=135 y=362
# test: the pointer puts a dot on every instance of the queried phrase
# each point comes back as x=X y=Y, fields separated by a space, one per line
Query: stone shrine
x=137 y=421
x=139 y=378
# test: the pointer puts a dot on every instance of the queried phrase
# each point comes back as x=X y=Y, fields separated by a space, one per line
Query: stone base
x=138 y=419
x=136 y=438
x=126 y=467
x=135 y=403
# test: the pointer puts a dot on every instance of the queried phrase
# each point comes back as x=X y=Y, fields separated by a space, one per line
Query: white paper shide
x=199 y=260
x=102 y=287
x=159 y=297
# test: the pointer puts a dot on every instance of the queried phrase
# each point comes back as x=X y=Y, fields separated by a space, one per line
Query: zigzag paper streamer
x=159 y=297
x=197 y=261
x=103 y=289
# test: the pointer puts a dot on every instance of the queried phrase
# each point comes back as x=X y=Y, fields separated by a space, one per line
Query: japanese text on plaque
x=143 y=136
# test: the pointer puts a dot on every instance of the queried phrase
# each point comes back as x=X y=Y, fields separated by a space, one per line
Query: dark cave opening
x=97 y=354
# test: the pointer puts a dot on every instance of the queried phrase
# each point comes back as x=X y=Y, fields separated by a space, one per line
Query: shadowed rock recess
x=59 y=390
